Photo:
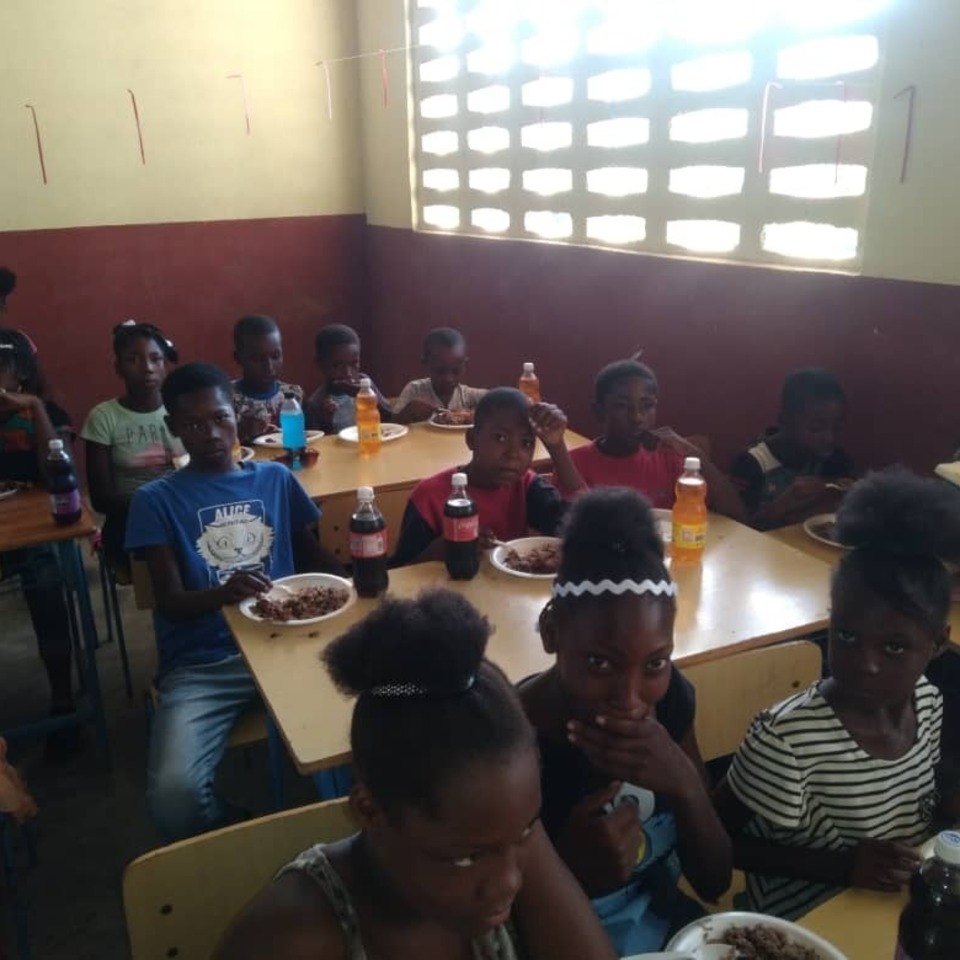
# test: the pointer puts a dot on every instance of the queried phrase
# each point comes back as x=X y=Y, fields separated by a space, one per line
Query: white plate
x=276 y=439
x=810 y=529
x=449 y=426
x=523 y=547
x=295 y=583
x=664 y=521
x=712 y=927
x=388 y=432
x=8 y=493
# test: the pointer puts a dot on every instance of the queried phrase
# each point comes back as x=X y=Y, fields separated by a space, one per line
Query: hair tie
x=659 y=588
x=403 y=690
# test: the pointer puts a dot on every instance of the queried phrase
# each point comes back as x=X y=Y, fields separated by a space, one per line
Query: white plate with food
x=533 y=558
x=822 y=528
x=388 y=432
x=8 y=488
x=452 y=419
x=276 y=439
x=769 y=937
x=664 y=521
x=301 y=600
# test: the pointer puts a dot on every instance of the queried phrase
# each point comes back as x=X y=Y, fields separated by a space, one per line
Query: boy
x=784 y=478
x=258 y=394
x=212 y=534
x=633 y=452
x=445 y=362
x=332 y=406
x=510 y=497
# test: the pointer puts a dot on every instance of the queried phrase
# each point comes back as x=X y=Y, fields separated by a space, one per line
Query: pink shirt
x=653 y=472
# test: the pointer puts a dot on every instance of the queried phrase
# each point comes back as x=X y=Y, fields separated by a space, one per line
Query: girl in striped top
x=837 y=786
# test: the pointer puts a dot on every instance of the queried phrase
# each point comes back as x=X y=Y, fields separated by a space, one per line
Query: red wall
x=191 y=279
x=720 y=336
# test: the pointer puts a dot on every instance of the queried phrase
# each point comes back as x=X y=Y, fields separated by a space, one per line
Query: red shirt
x=653 y=472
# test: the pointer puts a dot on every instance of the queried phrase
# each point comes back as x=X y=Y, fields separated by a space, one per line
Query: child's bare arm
x=550 y=425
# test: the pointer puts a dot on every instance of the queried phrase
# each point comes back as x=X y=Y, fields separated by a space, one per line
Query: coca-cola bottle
x=63 y=485
x=461 y=531
x=368 y=546
x=930 y=922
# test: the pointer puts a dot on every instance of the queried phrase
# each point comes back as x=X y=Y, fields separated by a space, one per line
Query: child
x=838 y=785
x=625 y=796
x=784 y=478
x=27 y=425
x=258 y=394
x=128 y=444
x=15 y=798
x=332 y=406
x=447 y=802
x=510 y=497
x=633 y=452
x=212 y=534
x=445 y=362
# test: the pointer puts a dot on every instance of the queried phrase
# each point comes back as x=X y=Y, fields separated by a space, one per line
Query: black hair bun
x=897 y=512
x=436 y=641
x=611 y=520
x=8 y=282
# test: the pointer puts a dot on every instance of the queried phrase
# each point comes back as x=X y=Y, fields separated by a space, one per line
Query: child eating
x=838 y=785
x=634 y=452
x=450 y=860
x=625 y=796
x=786 y=478
x=510 y=497
x=445 y=362
x=258 y=394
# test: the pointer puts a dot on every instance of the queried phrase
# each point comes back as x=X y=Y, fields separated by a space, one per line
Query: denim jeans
x=199 y=704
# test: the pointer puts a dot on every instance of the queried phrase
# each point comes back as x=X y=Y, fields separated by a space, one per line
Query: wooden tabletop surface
x=749 y=591
x=25 y=521
x=424 y=451
x=862 y=924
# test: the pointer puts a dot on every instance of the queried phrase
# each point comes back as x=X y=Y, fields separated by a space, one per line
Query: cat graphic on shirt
x=235 y=536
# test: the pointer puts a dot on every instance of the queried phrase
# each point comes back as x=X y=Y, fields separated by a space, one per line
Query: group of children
x=490 y=817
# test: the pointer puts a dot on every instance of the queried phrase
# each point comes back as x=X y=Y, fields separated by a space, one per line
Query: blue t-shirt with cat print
x=217 y=524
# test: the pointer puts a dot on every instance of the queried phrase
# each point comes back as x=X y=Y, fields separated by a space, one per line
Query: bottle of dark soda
x=461 y=530
x=930 y=922
x=368 y=546
x=63 y=485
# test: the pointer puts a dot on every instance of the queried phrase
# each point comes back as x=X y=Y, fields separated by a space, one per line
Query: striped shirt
x=811 y=785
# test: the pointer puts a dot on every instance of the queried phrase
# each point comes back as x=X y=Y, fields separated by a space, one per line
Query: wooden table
x=25 y=521
x=749 y=591
x=860 y=923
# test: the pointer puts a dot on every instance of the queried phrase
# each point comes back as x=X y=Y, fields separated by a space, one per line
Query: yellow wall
x=910 y=228
x=75 y=59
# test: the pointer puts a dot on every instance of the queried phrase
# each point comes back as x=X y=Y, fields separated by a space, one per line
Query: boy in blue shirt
x=212 y=534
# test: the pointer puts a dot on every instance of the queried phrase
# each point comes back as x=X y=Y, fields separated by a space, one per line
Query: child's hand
x=804 y=492
x=417 y=410
x=601 y=848
x=252 y=425
x=243 y=584
x=349 y=387
x=673 y=441
x=883 y=865
x=549 y=423
x=488 y=539
x=15 y=400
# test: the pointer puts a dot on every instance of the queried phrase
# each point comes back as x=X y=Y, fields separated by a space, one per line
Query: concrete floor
x=92 y=821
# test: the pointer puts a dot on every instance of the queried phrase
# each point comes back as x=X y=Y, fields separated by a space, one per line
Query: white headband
x=660 y=588
x=416 y=690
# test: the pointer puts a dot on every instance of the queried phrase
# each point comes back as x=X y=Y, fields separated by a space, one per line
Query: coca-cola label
x=368 y=546
x=63 y=504
x=461 y=529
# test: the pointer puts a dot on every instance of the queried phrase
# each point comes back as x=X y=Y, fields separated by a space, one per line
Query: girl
x=624 y=788
x=451 y=860
x=128 y=443
x=837 y=785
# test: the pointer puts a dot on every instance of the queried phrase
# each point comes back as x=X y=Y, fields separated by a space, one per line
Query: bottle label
x=461 y=529
x=63 y=504
x=369 y=432
x=690 y=536
x=368 y=546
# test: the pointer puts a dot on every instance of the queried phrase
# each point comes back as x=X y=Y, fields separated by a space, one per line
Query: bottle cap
x=365 y=383
x=528 y=367
x=459 y=480
x=56 y=446
x=364 y=493
x=947 y=847
x=691 y=463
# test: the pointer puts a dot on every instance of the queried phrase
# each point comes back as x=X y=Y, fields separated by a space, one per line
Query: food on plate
x=826 y=529
x=453 y=418
x=760 y=942
x=305 y=604
x=543 y=559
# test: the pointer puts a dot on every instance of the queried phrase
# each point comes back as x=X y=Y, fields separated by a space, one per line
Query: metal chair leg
x=21 y=931
x=105 y=593
x=275 y=762
x=121 y=636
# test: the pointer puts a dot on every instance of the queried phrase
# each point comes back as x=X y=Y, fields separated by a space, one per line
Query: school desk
x=862 y=924
x=393 y=472
x=25 y=521
x=748 y=591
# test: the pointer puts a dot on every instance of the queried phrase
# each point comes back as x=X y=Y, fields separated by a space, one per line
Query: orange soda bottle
x=368 y=419
x=690 y=513
x=529 y=383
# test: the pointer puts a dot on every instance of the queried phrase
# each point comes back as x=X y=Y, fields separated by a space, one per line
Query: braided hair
x=128 y=332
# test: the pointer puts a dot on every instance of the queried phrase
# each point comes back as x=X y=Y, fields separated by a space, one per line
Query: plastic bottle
x=368 y=419
x=461 y=531
x=690 y=513
x=63 y=485
x=529 y=383
x=368 y=546
x=930 y=922
x=293 y=429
